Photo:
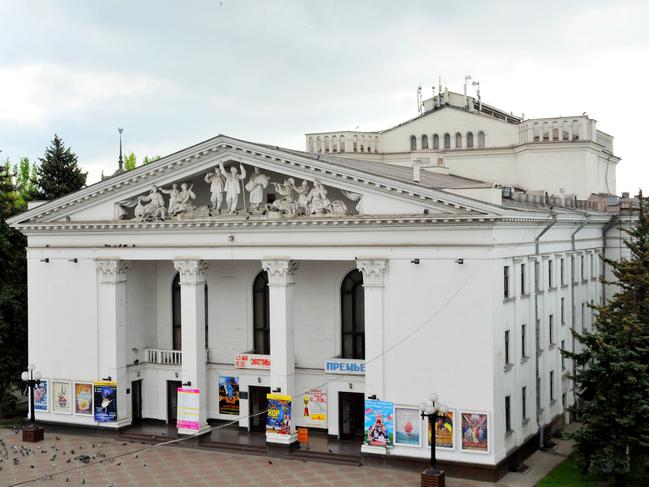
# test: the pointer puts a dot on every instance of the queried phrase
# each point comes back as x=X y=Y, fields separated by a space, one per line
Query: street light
x=31 y=432
x=431 y=410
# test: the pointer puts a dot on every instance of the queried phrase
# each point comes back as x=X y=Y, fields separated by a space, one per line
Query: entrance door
x=172 y=400
x=136 y=401
x=258 y=402
x=351 y=415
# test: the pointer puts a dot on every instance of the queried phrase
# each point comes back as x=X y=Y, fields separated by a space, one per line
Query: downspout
x=553 y=215
x=572 y=303
x=611 y=223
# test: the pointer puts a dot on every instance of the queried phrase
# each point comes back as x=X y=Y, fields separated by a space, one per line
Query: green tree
x=130 y=162
x=149 y=160
x=23 y=177
x=612 y=370
x=59 y=173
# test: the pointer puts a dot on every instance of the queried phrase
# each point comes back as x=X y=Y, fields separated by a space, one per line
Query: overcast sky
x=175 y=73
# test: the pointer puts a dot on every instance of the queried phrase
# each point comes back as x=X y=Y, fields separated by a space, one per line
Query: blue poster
x=278 y=419
x=105 y=402
x=379 y=423
x=41 y=401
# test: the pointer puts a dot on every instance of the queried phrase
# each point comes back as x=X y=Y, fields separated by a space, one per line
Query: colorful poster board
x=229 y=395
x=444 y=430
x=105 y=402
x=315 y=408
x=188 y=409
x=475 y=432
x=407 y=426
x=83 y=398
x=379 y=423
x=41 y=396
x=278 y=420
x=61 y=397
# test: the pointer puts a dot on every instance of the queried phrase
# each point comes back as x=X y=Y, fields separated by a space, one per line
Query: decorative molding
x=373 y=270
x=191 y=271
x=112 y=271
x=280 y=272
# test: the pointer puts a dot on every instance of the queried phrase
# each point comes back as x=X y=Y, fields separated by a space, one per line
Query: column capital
x=373 y=270
x=191 y=271
x=113 y=270
x=280 y=271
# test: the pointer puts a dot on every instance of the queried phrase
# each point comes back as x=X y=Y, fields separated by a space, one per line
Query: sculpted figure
x=216 y=181
x=232 y=189
x=155 y=209
x=302 y=197
x=317 y=199
x=255 y=187
x=184 y=199
x=286 y=203
x=173 y=198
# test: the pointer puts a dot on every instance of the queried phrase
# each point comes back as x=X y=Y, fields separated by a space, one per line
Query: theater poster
x=188 y=409
x=278 y=419
x=83 y=398
x=379 y=423
x=444 y=428
x=41 y=396
x=475 y=432
x=407 y=426
x=315 y=408
x=229 y=395
x=61 y=397
x=105 y=402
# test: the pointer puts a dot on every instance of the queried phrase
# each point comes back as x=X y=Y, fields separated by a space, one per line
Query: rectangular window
x=524 y=402
x=507 y=347
x=563 y=359
x=583 y=316
x=537 y=277
x=563 y=400
x=523 y=290
x=573 y=269
x=592 y=267
x=582 y=267
x=563 y=272
x=563 y=311
x=551 y=329
x=551 y=385
x=506 y=282
x=523 y=338
x=508 y=418
x=550 y=283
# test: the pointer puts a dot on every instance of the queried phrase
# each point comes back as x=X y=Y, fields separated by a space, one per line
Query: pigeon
x=57 y=438
x=270 y=462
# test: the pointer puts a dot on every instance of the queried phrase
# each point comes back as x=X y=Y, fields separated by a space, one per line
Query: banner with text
x=188 y=407
x=278 y=418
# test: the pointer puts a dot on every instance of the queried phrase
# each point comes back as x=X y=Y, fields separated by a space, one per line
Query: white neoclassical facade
x=296 y=272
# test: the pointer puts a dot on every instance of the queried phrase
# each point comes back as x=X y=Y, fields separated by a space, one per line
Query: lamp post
x=432 y=476
x=31 y=432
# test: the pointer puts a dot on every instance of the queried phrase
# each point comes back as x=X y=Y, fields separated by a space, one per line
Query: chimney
x=416 y=170
x=625 y=194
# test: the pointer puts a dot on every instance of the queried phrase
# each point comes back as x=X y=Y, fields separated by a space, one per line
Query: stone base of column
x=33 y=434
x=279 y=440
x=201 y=431
x=433 y=479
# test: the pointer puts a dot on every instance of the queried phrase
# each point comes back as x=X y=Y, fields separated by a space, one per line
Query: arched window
x=342 y=143
x=447 y=141
x=424 y=141
x=435 y=141
x=469 y=139
x=481 y=141
x=413 y=142
x=261 y=314
x=176 y=337
x=310 y=144
x=352 y=305
x=555 y=134
x=355 y=143
x=458 y=140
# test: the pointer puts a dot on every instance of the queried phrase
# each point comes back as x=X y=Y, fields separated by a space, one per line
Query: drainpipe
x=572 y=302
x=553 y=215
x=611 y=223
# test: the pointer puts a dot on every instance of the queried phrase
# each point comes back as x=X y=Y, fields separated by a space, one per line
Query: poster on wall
x=475 y=432
x=105 y=402
x=229 y=395
x=41 y=396
x=278 y=419
x=379 y=423
x=315 y=408
x=188 y=409
x=61 y=397
x=407 y=426
x=83 y=398
x=443 y=430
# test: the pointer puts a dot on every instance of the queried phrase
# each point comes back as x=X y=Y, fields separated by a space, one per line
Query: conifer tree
x=612 y=370
x=59 y=174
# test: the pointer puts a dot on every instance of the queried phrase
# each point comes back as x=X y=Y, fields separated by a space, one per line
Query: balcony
x=166 y=357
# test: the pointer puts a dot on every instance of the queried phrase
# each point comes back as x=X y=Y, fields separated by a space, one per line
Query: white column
x=282 y=335
x=111 y=332
x=373 y=270
x=192 y=320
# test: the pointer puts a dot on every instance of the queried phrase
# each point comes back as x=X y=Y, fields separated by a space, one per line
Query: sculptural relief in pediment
x=234 y=190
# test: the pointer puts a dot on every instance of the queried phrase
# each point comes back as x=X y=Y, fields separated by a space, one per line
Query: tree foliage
x=59 y=173
x=612 y=370
x=22 y=177
x=130 y=161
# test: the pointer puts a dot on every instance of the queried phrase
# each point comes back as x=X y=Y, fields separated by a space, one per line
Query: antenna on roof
x=439 y=92
x=466 y=79
x=419 y=99
x=121 y=161
x=477 y=83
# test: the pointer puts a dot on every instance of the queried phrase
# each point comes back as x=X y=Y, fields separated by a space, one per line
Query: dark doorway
x=258 y=402
x=351 y=415
x=172 y=400
x=136 y=401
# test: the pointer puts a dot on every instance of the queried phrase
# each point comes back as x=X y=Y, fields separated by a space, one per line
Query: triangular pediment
x=277 y=184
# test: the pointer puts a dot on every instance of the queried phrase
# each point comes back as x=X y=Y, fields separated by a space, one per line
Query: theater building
x=236 y=269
